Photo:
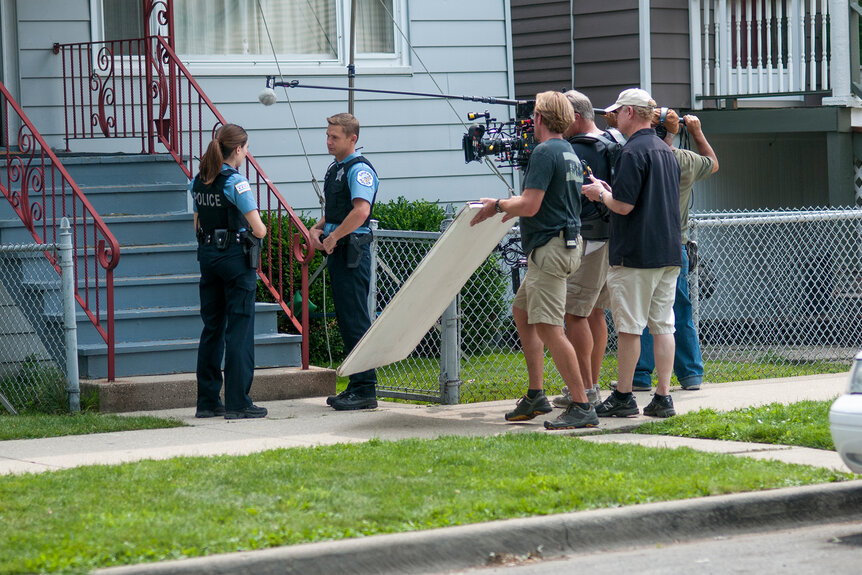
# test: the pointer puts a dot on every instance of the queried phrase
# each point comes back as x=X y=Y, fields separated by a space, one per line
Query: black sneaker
x=341 y=395
x=351 y=401
x=527 y=408
x=203 y=413
x=660 y=406
x=575 y=417
x=250 y=412
x=612 y=406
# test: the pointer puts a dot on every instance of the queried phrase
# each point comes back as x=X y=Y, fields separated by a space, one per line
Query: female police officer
x=228 y=226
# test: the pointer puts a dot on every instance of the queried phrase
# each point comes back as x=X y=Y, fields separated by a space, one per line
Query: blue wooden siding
x=415 y=143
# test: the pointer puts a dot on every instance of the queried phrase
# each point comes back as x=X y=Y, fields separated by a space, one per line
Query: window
x=301 y=30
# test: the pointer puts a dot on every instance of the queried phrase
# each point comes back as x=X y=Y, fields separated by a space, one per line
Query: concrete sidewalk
x=308 y=422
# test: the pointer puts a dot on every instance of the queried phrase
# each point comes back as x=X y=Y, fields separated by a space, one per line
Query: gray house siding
x=414 y=143
x=669 y=44
x=542 y=41
x=606 y=49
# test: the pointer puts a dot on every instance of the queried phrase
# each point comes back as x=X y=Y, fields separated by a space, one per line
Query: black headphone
x=661 y=129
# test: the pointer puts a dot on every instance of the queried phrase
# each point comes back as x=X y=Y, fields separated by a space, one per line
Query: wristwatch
x=497 y=207
x=602 y=196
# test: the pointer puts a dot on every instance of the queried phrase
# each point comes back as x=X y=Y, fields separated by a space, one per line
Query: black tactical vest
x=337 y=191
x=215 y=211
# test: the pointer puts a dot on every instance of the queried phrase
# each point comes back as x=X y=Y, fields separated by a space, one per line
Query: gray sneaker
x=527 y=408
x=575 y=417
x=594 y=396
x=564 y=400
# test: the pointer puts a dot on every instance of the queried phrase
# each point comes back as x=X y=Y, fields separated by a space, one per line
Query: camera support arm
x=271 y=83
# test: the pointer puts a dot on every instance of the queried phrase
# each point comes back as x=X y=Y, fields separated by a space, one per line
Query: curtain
x=374 y=27
x=299 y=28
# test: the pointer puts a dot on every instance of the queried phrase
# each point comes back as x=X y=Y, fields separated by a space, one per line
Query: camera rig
x=510 y=142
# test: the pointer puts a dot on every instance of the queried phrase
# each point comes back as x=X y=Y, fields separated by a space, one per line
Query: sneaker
x=564 y=400
x=352 y=401
x=594 y=395
x=250 y=412
x=527 y=408
x=660 y=406
x=341 y=395
x=690 y=386
x=203 y=413
x=575 y=417
x=613 y=385
x=613 y=406
x=641 y=387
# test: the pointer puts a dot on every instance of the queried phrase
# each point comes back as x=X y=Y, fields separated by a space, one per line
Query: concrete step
x=179 y=356
x=130 y=169
x=135 y=325
x=151 y=392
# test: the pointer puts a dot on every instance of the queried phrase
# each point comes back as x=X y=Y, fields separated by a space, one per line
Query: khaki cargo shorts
x=643 y=297
x=586 y=288
x=543 y=292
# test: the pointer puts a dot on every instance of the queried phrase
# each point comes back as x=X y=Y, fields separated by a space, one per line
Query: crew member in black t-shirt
x=549 y=209
x=644 y=251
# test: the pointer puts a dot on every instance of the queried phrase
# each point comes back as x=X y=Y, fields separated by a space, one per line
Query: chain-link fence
x=35 y=330
x=775 y=293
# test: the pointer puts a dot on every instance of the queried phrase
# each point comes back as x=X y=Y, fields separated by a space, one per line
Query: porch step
x=140 y=261
x=156 y=357
x=179 y=390
x=153 y=229
x=135 y=325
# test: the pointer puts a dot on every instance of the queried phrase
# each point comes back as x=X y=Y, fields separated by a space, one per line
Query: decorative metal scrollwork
x=100 y=84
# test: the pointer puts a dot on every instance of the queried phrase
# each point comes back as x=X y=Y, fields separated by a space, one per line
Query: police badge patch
x=365 y=178
x=242 y=187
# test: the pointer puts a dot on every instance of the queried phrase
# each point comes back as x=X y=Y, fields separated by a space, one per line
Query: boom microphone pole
x=268 y=97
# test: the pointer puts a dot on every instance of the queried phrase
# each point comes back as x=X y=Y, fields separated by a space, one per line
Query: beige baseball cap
x=631 y=97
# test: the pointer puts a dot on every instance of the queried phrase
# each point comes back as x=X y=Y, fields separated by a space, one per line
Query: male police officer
x=549 y=209
x=344 y=234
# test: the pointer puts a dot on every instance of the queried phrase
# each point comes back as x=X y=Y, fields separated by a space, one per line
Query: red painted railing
x=139 y=89
x=42 y=193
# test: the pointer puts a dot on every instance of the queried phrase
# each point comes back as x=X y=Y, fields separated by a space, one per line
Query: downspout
x=572 y=38
x=510 y=63
x=644 y=44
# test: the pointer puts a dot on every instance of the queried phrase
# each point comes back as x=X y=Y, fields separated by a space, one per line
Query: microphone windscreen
x=267 y=97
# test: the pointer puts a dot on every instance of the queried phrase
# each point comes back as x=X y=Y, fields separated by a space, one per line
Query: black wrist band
x=497 y=207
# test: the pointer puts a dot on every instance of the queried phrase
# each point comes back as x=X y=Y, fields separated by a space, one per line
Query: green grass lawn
x=805 y=423
x=32 y=426
x=89 y=517
x=503 y=375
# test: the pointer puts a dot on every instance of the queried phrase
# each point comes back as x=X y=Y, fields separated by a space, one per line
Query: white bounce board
x=429 y=290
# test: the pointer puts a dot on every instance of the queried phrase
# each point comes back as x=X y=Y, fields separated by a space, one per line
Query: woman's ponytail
x=227 y=139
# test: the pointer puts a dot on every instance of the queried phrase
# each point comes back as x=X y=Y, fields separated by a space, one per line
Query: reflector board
x=432 y=286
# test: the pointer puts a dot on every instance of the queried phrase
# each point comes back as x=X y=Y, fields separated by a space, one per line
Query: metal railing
x=749 y=48
x=776 y=294
x=140 y=89
x=42 y=193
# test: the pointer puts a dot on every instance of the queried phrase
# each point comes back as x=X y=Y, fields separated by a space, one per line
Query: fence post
x=69 y=324
x=694 y=282
x=450 y=341
x=372 y=291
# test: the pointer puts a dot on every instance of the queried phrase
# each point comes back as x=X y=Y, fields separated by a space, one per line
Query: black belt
x=216 y=237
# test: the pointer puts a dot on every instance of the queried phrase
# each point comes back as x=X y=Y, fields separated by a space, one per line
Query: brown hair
x=556 y=111
x=227 y=139
x=348 y=123
x=671 y=120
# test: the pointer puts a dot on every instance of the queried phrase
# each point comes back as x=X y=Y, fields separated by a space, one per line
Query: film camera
x=510 y=142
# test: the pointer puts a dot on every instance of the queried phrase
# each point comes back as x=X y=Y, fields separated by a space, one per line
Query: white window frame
x=257 y=64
